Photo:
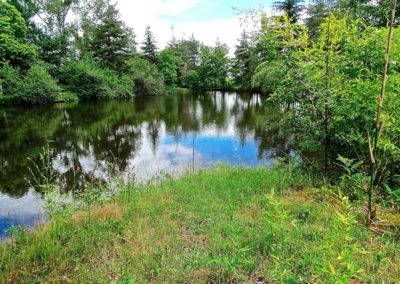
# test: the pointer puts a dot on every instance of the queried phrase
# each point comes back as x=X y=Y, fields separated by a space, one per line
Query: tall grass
x=216 y=226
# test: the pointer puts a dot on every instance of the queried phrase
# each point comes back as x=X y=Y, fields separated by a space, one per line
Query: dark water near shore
x=93 y=142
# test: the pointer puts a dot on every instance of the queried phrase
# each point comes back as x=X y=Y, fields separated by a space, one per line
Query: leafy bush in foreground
x=329 y=87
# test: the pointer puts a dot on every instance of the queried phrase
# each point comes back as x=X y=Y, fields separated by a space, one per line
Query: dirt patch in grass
x=112 y=211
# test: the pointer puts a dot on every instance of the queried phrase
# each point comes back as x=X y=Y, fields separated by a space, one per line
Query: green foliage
x=88 y=80
x=268 y=77
x=374 y=13
x=149 y=46
x=193 y=80
x=245 y=62
x=329 y=85
x=353 y=181
x=146 y=77
x=317 y=13
x=109 y=40
x=36 y=87
x=55 y=34
x=14 y=48
x=10 y=79
x=226 y=225
x=168 y=65
x=188 y=52
x=291 y=8
x=278 y=40
x=213 y=68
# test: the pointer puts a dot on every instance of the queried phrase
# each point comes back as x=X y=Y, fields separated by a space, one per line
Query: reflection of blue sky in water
x=213 y=149
x=25 y=211
x=171 y=155
x=226 y=129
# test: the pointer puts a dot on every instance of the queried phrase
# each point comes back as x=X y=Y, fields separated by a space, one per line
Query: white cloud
x=158 y=14
x=139 y=14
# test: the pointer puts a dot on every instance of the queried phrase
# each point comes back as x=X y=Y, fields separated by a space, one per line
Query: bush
x=267 y=77
x=193 y=80
x=36 y=87
x=146 y=77
x=89 y=81
x=10 y=80
x=39 y=87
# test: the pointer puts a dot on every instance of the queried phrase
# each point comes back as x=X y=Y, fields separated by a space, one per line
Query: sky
x=207 y=20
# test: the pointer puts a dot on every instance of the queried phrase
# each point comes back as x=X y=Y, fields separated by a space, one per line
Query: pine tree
x=111 y=42
x=317 y=12
x=244 y=63
x=292 y=8
x=149 y=47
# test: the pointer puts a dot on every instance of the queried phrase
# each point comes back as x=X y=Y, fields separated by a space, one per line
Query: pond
x=93 y=142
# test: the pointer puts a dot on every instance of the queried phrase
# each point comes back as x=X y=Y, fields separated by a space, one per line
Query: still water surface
x=93 y=142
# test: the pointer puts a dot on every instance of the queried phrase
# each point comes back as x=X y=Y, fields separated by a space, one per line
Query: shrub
x=10 y=80
x=89 y=81
x=39 y=87
x=36 y=87
x=268 y=77
x=146 y=77
x=193 y=79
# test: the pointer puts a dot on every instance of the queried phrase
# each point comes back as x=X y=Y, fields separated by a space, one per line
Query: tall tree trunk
x=374 y=145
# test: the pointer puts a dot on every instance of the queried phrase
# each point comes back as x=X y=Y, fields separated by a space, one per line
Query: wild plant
x=46 y=179
x=376 y=163
x=353 y=180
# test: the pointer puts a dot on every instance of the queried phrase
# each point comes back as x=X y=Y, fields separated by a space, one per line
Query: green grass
x=220 y=225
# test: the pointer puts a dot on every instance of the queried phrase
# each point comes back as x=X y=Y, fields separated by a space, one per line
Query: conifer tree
x=244 y=63
x=292 y=8
x=110 y=41
x=149 y=47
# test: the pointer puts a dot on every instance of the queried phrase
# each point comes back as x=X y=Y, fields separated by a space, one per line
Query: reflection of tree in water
x=110 y=136
x=153 y=131
x=23 y=133
x=92 y=140
x=256 y=117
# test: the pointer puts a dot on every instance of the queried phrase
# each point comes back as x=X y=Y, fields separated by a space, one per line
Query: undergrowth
x=215 y=226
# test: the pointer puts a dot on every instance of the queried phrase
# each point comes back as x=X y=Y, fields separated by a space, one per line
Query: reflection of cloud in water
x=174 y=156
x=168 y=158
x=142 y=139
x=23 y=211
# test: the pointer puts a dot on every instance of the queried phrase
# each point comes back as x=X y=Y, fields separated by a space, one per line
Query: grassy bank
x=222 y=225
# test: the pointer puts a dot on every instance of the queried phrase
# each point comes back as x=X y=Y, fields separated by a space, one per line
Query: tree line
x=45 y=56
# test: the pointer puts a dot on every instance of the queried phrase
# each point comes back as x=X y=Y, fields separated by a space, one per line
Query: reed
x=378 y=131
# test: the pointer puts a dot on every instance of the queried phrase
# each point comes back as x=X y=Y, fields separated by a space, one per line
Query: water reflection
x=92 y=141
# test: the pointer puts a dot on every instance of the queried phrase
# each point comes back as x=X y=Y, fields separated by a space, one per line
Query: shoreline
x=226 y=224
